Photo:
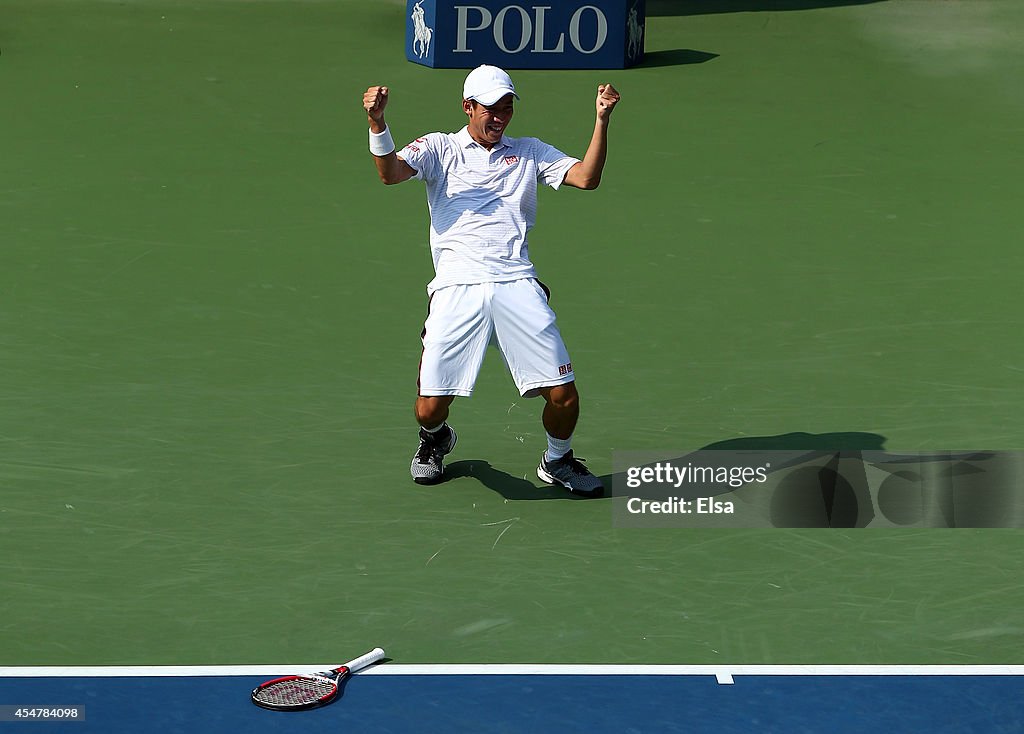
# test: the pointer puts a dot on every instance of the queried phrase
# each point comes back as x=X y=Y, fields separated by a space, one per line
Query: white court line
x=724 y=674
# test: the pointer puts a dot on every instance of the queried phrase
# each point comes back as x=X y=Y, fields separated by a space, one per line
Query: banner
x=567 y=34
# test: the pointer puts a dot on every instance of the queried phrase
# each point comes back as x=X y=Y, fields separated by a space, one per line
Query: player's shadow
x=808 y=462
x=508 y=486
x=819 y=480
x=522 y=488
x=800 y=445
x=800 y=441
x=703 y=7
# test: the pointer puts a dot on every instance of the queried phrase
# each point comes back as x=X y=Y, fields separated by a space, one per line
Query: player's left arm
x=587 y=173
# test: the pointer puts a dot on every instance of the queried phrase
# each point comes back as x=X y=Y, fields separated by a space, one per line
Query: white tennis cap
x=487 y=84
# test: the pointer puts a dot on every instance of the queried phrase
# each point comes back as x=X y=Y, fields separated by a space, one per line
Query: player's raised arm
x=390 y=167
x=587 y=173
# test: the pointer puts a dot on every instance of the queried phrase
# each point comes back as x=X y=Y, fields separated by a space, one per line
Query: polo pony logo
x=635 y=30
x=421 y=32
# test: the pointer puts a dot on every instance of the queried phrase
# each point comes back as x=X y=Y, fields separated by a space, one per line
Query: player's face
x=487 y=124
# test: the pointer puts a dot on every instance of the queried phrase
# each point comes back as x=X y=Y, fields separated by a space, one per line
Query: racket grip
x=364 y=660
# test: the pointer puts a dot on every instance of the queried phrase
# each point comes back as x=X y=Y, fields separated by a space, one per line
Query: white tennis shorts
x=462 y=320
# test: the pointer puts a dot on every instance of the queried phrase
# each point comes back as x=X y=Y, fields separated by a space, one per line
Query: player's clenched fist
x=374 y=102
x=607 y=98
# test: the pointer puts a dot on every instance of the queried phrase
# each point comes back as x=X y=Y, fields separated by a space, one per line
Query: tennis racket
x=299 y=692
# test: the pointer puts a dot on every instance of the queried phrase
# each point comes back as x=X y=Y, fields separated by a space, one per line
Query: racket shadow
x=508 y=486
x=343 y=683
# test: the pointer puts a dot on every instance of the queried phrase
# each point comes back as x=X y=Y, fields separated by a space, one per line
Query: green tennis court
x=810 y=223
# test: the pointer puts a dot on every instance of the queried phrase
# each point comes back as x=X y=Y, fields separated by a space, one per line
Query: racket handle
x=364 y=660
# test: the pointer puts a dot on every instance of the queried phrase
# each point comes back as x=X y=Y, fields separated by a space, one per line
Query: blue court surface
x=537 y=699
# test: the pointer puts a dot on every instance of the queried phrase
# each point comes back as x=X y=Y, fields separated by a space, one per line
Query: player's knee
x=564 y=397
x=432 y=411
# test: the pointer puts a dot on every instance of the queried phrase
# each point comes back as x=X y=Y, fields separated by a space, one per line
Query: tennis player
x=482 y=196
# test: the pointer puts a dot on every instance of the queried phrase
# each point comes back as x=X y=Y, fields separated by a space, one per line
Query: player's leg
x=558 y=464
x=561 y=410
x=437 y=438
x=536 y=356
x=455 y=337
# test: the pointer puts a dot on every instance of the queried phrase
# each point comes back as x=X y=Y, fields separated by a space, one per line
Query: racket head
x=301 y=692
x=297 y=692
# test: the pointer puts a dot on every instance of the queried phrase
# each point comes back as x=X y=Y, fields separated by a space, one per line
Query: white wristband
x=381 y=143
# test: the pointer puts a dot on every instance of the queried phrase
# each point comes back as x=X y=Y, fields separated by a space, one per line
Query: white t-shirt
x=482 y=203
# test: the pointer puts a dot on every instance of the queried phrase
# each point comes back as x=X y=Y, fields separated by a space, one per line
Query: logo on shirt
x=565 y=369
x=511 y=160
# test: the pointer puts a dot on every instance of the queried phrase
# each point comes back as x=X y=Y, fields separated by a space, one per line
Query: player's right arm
x=391 y=168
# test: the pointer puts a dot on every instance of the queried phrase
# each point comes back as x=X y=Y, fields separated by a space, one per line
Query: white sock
x=557 y=447
x=435 y=429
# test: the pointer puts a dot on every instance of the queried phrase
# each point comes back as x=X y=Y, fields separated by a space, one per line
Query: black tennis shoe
x=427 y=465
x=570 y=473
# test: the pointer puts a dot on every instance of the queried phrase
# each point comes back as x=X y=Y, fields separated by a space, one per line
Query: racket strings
x=297 y=691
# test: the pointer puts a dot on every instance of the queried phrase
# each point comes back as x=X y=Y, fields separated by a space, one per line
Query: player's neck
x=482 y=141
